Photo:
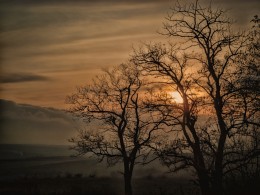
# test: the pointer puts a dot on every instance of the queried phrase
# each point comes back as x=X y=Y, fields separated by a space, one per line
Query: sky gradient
x=50 y=47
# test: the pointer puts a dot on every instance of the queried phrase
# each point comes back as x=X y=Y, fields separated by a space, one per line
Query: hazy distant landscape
x=29 y=168
x=48 y=169
x=28 y=124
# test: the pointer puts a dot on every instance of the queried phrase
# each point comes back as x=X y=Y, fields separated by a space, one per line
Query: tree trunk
x=204 y=182
x=127 y=178
x=218 y=175
x=128 y=184
x=217 y=184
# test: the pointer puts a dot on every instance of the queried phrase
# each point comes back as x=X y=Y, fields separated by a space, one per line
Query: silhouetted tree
x=120 y=124
x=247 y=154
x=218 y=118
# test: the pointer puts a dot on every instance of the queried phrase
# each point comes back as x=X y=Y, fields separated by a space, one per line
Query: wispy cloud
x=72 y=40
x=21 y=77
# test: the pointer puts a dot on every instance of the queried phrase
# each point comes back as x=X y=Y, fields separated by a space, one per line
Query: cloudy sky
x=26 y=124
x=48 y=47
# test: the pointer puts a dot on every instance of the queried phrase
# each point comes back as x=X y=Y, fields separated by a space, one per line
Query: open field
x=38 y=169
x=50 y=161
x=49 y=170
x=92 y=185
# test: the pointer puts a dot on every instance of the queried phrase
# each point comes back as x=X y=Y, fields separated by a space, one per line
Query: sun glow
x=176 y=97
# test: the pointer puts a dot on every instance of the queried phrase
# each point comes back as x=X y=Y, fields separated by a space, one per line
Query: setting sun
x=176 y=96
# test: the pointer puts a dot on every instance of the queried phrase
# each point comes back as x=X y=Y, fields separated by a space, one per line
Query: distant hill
x=27 y=124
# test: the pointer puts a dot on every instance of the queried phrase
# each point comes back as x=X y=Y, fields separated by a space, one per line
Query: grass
x=77 y=185
x=62 y=175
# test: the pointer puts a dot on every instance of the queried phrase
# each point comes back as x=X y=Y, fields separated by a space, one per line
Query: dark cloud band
x=21 y=77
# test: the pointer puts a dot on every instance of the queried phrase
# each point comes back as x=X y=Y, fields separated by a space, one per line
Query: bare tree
x=246 y=156
x=218 y=113
x=114 y=105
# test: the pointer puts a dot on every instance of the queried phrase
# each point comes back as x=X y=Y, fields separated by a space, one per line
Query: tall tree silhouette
x=123 y=125
x=247 y=154
x=218 y=113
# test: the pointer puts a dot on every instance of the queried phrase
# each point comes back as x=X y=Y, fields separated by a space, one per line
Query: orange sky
x=50 y=47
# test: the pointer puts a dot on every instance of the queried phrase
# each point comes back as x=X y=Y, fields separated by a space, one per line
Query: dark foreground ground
x=49 y=170
x=78 y=185
x=75 y=185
